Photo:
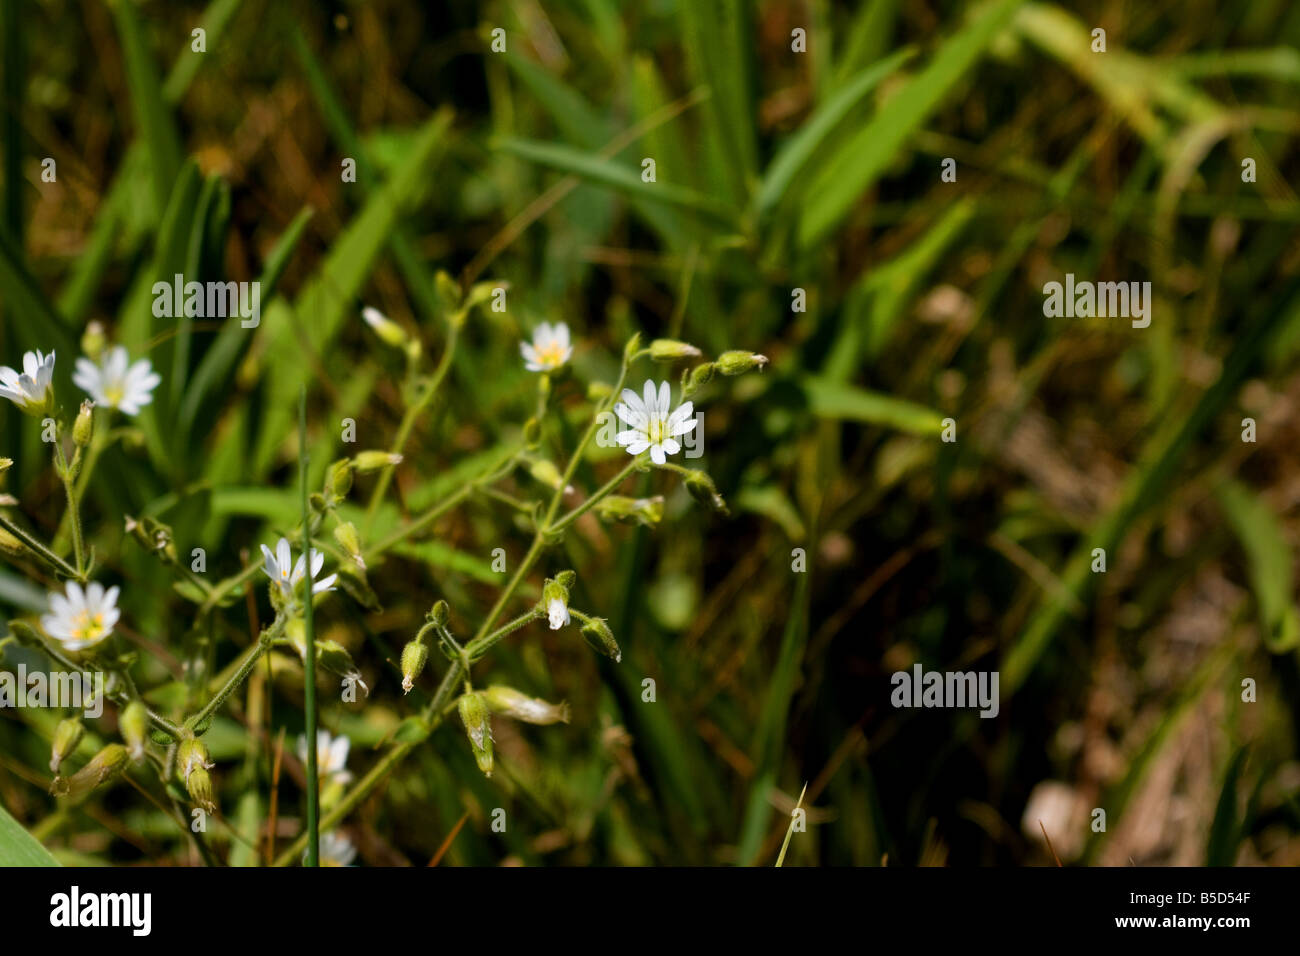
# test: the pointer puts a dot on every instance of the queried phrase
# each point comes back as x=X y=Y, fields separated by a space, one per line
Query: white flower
x=557 y=613
x=82 y=619
x=549 y=349
x=276 y=567
x=117 y=383
x=335 y=850
x=331 y=756
x=651 y=424
x=30 y=387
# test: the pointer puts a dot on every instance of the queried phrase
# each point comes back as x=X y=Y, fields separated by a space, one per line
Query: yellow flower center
x=88 y=627
x=657 y=431
x=113 y=394
x=551 y=355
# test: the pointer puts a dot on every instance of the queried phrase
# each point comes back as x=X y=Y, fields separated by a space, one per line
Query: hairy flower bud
x=703 y=490
x=414 y=656
x=368 y=461
x=192 y=755
x=697 y=378
x=104 y=766
x=566 y=580
x=667 y=350
x=601 y=639
x=738 y=362
x=532 y=432
x=93 y=340
x=532 y=710
x=545 y=472
x=199 y=786
x=348 y=539
x=478 y=727
x=134 y=725
x=438 y=614
x=645 y=511
x=599 y=391
x=83 y=427
x=338 y=480
x=389 y=332
x=67 y=735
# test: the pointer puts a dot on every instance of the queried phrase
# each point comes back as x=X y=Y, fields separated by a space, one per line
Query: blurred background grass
x=776 y=170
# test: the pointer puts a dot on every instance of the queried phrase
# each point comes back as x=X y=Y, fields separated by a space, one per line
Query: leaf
x=1225 y=829
x=827 y=399
x=804 y=144
x=605 y=172
x=18 y=847
x=858 y=163
x=1260 y=532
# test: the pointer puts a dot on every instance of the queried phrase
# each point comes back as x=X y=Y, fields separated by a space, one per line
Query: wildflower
x=331 y=756
x=557 y=613
x=549 y=349
x=335 y=850
x=276 y=567
x=116 y=384
x=652 y=426
x=31 y=389
x=82 y=619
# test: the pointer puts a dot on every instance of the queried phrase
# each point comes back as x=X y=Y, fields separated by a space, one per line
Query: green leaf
x=1225 y=829
x=803 y=146
x=605 y=172
x=1260 y=532
x=18 y=847
x=827 y=399
x=859 y=162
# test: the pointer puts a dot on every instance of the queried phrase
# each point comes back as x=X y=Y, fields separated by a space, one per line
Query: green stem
x=592 y=501
x=65 y=475
x=309 y=648
x=268 y=637
x=423 y=401
x=38 y=549
x=475 y=649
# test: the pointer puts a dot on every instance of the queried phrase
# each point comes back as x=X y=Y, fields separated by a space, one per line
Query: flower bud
x=67 y=735
x=414 y=656
x=738 y=362
x=630 y=349
x=532 y=710
x=544 y=471
x=438 y=614
x=532 y=432
x=199 y=786
x=644 y=511
x=389 y=332
x=597 y=634
x=348 y=539
x=667 y=350
x=338 y=480
x=5 y=464
x=702 y=489
x=93 y=340
x=599 y=391
x=104 y=766
x=334 y=657
x=368 y=461
x=697 y=378
x=566 y=580
x=191 y=756
x=474 y=715
x=134 y=725
x=83 y=427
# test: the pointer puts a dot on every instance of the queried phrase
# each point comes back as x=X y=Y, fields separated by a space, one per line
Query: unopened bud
x=338 y=481
x=103 y=767
x=739 y=362
x=348 y=539
x=67 y=735
x=192 y=756
x=667 y=350
x=414 y=656
x=478 y=727
x=368 y=461
x=438 y=614
x=134 y=725
x=702 y=489
x=630 y=349
x=697 y=378
x=645 y=511
x=83 y=427
x=545 y=472
x=532 y=710
x=199 y=786
x=93 y=340
x=599 y=391
x=567 y=579
x=389 y=332
x=5 y=464
x=532 y=432
x=601 y=639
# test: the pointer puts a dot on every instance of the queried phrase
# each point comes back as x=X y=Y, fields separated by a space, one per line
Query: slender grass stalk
x=309 y=648
x=38 y=549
